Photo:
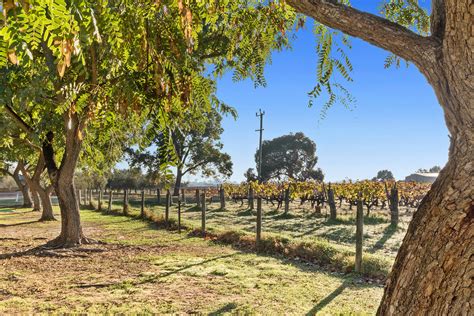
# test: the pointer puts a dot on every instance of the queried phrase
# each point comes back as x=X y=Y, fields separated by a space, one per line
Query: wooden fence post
x=198 y=196
x=158 y=196
x=179 y=217
x=170 y=200
x=359 y=235
x=287 y=200
x=125 y=202
x=183 y=196
x=99 y=201
x=332 y=204
x=142 y=209
x=394 y=206
x=259 y=222
x=167 y=208
x=222 y=197
x=203 y=213
x=251 y=199
x=109 y=208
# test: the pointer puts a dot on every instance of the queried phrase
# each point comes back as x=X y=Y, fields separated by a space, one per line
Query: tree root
x=61 y=242
x=47 y=219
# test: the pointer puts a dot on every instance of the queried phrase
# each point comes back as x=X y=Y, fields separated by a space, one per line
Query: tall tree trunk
x=433 y=271
x=36 y=200
x=434 y=268
x=34 y=182
x=25 y=191
x=177 y=184
x=62 y=179
x=47 y=208
x=23 y=187
x=71 y=230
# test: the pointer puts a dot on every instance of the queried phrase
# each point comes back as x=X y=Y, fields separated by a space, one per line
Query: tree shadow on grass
x=285 y=216
x=224 y=309
x=165 y=274
x=13 y=212
x=19 y=224
x=312 y=230
x=388 y=232
x=368 y=220
x=194 y=208
x=154 y=278
x=328 y=299
x=272 y=213
x=247 y=212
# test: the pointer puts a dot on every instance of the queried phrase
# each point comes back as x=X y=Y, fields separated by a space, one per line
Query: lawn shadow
x=341 y=234
x=218 y=210
x=368 y=220
x=328 y=299
x=247 y=212
x=388 y=232
x=20 y=224
x=285 y=216
x=309 y=232
x=162 y=275
x=272 y=213
x=224 y=309
x=194 y=208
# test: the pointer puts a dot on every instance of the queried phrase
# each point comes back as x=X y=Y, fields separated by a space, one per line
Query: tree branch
x=368 y=27
x=26 y=141
x=19 y=121
x=194 y=167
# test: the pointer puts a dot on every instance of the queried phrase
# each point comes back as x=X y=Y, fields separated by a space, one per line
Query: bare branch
x=368 y=27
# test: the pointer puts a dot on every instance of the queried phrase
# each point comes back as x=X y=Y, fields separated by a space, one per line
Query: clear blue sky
x=396 y=123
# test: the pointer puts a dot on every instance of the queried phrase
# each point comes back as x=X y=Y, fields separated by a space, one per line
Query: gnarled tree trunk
x=36 y=200
x=434 y=268
x=37 y=190
x=22 y=186
x=62 y=179
x=47 y=208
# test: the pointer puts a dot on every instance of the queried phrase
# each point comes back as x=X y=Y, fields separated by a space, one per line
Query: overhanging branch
x=368 y=27
x=19 y=121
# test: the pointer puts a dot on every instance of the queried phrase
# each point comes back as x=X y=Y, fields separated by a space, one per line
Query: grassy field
x=142 y=269
x=380 y=238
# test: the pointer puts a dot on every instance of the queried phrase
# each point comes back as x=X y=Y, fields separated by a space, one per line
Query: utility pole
x=261 y=114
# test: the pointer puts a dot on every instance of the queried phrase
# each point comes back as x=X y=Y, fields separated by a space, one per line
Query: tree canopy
x=290 y=156
x=196 y=150
x=384 y=175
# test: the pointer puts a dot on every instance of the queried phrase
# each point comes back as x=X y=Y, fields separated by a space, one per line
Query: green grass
x=301 y=222
x=148 y=270
x=298 y=234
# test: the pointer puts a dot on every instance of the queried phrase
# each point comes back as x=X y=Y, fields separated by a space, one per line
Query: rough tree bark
x=434 y=268
x=62 y=179
x=36 y=201
x=23 y=187
x=177 y=183
x=34 y=182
